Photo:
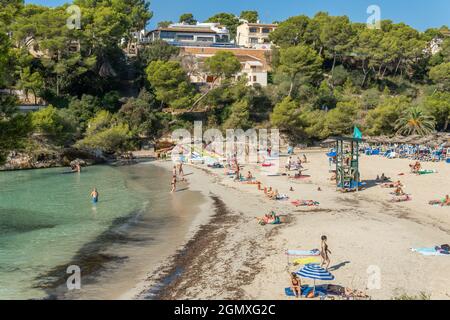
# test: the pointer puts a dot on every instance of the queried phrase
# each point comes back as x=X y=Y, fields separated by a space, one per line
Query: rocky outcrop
x=49 y=158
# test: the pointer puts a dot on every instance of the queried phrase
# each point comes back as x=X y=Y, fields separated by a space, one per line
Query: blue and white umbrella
x=315 y=272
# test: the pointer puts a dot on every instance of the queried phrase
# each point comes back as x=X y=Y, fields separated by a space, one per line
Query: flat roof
x=347 y=139
x=262 y=25
x=187 y=29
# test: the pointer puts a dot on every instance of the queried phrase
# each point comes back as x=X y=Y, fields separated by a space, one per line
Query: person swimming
x=94 y=195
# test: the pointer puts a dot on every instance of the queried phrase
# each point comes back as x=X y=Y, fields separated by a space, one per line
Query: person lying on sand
x=270 y=218
x=296 y=284
x=442 y=202
x=249 y=176
x=415 y=167
x=392 y=184
x=399 y=191
x=273 y=194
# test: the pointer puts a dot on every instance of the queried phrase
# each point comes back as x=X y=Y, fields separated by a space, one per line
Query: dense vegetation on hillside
x=328 y=74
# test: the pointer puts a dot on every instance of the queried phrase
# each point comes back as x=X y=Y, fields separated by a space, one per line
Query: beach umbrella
x=315 y=272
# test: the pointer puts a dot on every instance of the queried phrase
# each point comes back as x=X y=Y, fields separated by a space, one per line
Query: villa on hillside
x=200 y=34
x=254 y=64
x=254 y=35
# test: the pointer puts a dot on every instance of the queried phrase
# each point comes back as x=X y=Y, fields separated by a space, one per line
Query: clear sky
x=421 y=14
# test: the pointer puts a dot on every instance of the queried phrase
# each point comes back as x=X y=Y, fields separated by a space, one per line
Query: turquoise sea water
x=47 y=219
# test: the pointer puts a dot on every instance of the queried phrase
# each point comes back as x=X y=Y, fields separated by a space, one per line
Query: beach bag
x=445 y=247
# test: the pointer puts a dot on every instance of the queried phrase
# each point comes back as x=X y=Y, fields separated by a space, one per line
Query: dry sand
x=233 y=257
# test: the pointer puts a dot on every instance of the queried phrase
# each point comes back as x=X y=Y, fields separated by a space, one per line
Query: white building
x=199 y=34
x=254 y=35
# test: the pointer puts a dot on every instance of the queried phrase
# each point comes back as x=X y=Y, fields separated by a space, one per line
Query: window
x=254 y=78
x=253 y=30
x=205 y=39
x=253 y=40
x=185 y=37
x=265 y=30
x=167 y=35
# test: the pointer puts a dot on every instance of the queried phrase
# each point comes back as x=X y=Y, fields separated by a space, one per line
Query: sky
x=420 y=14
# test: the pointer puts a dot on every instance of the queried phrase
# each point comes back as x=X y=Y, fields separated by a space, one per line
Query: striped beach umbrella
x=315 y=272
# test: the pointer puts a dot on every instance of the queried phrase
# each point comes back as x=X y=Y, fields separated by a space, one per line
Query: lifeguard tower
x=347 y=163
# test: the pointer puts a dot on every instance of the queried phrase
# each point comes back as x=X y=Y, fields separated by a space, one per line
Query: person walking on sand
x=324 y=251
x=94 y=195
x=174 y=184
x=174 y=171
x=180 y=169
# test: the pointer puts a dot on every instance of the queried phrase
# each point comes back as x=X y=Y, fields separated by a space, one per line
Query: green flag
x=356 y=133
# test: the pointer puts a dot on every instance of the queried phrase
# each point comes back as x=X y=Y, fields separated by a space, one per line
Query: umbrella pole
x=314 y=289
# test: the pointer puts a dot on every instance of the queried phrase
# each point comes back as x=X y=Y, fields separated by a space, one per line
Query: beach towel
x=289 y=292
x=430 y=251
x=304 y=261
x=281 y=197
x=426 y=171
x=401 y=198
x=303 y=176
x=267 y=164
x=313 y=252
x=305 y=203
x=319 y=291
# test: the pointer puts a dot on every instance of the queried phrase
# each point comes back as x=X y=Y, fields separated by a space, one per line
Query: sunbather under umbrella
x=315 y=272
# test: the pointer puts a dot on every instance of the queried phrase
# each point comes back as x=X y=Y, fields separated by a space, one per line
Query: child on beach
x=174 y=184
x=324 y=252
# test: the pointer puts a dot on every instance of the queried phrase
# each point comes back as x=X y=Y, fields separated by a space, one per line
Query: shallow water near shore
x=48 y=223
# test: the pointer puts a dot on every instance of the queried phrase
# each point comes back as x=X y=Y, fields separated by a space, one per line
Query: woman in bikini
x=324 y=252
x=295 y=284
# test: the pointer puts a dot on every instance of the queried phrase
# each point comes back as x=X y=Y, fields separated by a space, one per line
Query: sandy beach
x=233 y=257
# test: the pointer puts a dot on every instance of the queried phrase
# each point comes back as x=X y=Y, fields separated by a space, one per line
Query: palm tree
x=415 y=121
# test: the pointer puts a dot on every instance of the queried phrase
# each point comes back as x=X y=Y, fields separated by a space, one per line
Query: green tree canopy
x=227 y=19
x=250 y=15
x=187 y=18
x=300 y=59
x=223 y=64
x=171 y=83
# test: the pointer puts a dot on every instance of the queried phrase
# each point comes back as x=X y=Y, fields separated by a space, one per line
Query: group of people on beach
x=296 y=283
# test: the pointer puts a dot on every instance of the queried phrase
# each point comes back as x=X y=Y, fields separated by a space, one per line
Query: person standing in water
x=324 y=251
x=94 y=195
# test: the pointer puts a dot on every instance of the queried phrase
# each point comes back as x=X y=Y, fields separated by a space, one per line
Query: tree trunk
x=398 y=65
x=445 y=125
x=334 y=64
x=291 y=87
